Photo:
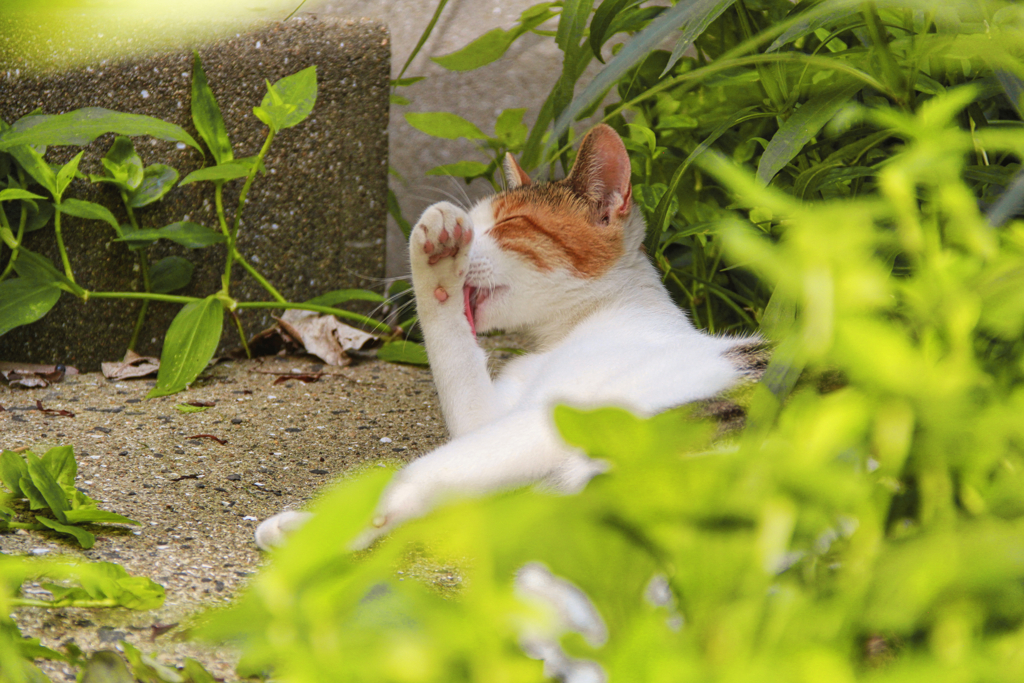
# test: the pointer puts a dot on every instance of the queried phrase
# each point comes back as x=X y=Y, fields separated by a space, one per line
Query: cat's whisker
x=382 y=307
x=461 y=187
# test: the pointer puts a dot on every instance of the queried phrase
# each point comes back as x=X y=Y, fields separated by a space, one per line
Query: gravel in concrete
x=199 y=500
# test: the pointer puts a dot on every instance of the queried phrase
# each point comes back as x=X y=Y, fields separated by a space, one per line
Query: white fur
x=614 y=340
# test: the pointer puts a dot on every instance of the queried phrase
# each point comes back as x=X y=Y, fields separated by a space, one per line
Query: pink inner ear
x=602 y=169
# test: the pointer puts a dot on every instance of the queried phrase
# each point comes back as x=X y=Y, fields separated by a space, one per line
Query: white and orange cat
x=562 y=262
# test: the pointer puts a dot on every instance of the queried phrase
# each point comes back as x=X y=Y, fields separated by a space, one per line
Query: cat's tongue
x=466 y=292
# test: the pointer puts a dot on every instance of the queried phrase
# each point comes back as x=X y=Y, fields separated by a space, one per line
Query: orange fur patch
x=552 y=226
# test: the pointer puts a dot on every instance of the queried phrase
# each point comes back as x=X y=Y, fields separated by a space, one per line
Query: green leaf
x=33 y=266
x=66 y=174
x=60 y=461
x=51 y=491
x=196 y=673
x=86 y=515
x=693 y=17
x=146 y=668
x=510 y=129
x=84 y=538
x=123 y=163
x=206 y=115
x=106 y=666
x=12 y=470
x=487 y=48
x=39 y=214
x=80 y=208
x=82 y=126
x=24 y=301
x=170 y=273
x=36 y=500
x=442 y=124
x=803 y=125
x=339 y=296
x=461 y=169
x=12 y=194
x=403 y=352
x=185 y=233
x=602 y=21
x=189 y=345
x=157 y=181
x=572 y=24
x=32 y=162
x=495 y=43
x=289 y=101
x=229 y=170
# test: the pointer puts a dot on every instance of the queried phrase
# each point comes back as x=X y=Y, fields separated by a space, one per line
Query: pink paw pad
x=440 y=294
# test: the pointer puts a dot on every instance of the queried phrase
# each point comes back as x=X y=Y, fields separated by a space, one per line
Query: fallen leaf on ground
x=159 y=629
x=325 y=336
x=209 y=436
x=54 y=411
x=305 y=379
x=34 y=374
x=133 y=365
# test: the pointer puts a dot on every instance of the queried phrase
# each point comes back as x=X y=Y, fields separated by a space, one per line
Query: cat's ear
x=514 y=174
x=601 y=172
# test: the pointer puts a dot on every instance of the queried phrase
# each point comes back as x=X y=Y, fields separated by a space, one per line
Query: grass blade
x=799 y=128
x=694 y=15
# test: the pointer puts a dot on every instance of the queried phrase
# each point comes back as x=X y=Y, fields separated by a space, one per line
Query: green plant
x=758 y=81
x=869 y=529
x=48 y=483
x=866 y=525
x=91 y=585
x=72 y=583
x=193 y=335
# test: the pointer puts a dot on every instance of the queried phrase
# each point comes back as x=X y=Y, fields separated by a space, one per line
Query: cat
x=562 y=262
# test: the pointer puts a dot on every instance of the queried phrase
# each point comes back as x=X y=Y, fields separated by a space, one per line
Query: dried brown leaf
x=133 y=365
x=325 y=336
x=34 y=374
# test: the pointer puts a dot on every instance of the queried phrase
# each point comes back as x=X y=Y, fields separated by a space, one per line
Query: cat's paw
x=439 y=251
x=273 y=532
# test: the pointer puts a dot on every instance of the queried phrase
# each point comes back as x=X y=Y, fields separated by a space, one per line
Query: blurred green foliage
x=865 y=526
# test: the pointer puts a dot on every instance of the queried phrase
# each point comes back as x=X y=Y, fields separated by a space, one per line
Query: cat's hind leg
x=273 y=532
x=520 y=449
x=439 y=248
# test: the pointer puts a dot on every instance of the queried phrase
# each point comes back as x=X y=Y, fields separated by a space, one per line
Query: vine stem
x=150 y=296
x=233 y=233
x=30 y=602
x=218 y=198
x=258 y=277
x=60 y=243
x=21 y=230
x=144 y=266
x=377 y=326
x=241 y=333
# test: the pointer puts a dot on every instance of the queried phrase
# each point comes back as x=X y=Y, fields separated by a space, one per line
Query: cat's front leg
x=439 y=252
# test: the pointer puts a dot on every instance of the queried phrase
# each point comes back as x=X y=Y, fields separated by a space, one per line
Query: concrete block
x=314 y=223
